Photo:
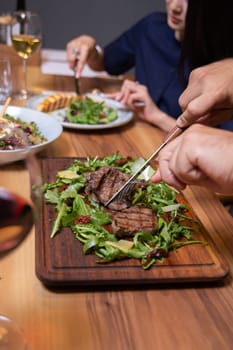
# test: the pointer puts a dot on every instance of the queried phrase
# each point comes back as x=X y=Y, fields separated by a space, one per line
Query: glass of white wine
x=26 y=37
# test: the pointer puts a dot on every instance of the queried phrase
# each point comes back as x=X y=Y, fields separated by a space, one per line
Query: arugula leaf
x=61 y=213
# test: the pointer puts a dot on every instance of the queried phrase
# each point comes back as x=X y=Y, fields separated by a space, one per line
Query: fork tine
x=129 y=188
x=126 y=191
x=174 y=132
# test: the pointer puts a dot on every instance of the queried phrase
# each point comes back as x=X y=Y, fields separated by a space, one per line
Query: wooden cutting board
x=61 y=262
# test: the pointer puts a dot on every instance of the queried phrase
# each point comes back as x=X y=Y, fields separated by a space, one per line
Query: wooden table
x=164 y=317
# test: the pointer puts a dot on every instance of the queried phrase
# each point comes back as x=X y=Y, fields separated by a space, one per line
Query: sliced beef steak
x=126 y=219
x=103 y=183
x=131 y=220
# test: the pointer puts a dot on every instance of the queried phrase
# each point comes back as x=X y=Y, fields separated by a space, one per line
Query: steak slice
x=131 y=220
x=104 y=183
x=101 y=185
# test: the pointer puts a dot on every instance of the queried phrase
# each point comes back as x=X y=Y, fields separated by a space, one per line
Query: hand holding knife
x=81 y=51
x=174 y=132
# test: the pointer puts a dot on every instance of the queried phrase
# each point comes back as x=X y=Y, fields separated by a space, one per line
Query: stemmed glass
x=26 y=37
x=17 y=216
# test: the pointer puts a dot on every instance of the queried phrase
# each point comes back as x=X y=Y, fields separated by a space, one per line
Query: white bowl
x=48 y=126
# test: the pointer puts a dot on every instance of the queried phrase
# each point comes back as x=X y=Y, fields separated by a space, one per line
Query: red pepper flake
x=83 y=219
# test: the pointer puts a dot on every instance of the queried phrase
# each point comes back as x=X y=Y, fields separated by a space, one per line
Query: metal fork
x=129 y=188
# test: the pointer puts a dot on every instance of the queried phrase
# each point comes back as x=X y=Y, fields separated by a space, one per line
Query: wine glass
x=17 y=216
x=26 y=38
x=11 y=336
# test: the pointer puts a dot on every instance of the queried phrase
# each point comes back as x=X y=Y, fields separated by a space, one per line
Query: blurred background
x=62 y=20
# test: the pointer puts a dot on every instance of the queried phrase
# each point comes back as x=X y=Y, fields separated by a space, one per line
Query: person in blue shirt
x=154 y=48
x=151 y=46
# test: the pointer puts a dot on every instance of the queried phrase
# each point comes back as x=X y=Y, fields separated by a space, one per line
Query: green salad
x=85 y=110
x=89 y=220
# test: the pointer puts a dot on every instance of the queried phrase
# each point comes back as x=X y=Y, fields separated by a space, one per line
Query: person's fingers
x=78 y=52
x=71 y=53
x=185 y=119
x=184 y=169
x=133 y=93
x=168 y=178
x=81 y=60
x=125 y=92
x=184 y=162
x=113 y=95
x=136 y=99
x=196 y=109
x=165 y=171
x=156 y=177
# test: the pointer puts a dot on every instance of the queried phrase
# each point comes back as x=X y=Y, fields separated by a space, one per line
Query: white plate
x=48 y=126
x=124 y=114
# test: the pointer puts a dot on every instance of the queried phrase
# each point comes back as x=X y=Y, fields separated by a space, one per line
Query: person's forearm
x=162 y=120
x=96 y=60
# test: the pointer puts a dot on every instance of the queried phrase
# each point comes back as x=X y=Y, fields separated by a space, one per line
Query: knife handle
x=76 y=80
x=173 y=133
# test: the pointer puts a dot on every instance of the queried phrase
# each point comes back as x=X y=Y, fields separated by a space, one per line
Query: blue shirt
x=150 y=47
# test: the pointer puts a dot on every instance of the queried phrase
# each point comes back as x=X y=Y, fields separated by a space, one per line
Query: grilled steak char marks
x=131 y=220
x=103 y=183
x=126 y=219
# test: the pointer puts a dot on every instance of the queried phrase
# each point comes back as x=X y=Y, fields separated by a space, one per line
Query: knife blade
x=76 y=80
x=174 y=132
x=76 y=84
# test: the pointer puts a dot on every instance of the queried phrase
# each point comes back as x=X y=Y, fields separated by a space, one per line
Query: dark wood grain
x=60 y=261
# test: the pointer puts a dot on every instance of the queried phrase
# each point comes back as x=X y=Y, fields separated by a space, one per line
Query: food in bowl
x=49 y=128
x=16 y=133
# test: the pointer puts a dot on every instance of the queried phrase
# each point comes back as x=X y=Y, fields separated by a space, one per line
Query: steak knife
x=76 y=84
x=76 y=80
x=174 y=132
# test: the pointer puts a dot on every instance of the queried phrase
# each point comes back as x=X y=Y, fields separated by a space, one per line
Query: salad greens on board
x=88 y=220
